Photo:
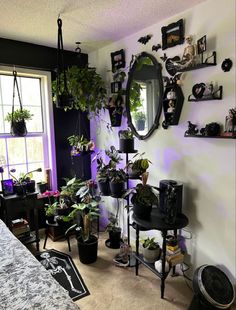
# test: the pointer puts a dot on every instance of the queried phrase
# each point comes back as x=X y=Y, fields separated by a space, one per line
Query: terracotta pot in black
x=117 y=189
x=88 y=249
x=104 y=188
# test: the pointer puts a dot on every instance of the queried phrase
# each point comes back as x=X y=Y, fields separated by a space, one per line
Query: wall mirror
x=144 y=94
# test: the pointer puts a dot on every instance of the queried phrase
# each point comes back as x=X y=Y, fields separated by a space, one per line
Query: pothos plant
x=80 y=143
x=86 y=87
x=18 y=115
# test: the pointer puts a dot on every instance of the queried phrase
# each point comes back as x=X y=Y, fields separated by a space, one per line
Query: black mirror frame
x=159 y=77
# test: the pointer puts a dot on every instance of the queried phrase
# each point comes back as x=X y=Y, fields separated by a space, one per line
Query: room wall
x=206 y=167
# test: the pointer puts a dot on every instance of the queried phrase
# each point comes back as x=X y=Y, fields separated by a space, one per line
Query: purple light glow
x=169 y=158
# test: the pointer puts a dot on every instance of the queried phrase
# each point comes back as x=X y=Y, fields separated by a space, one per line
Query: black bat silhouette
x=144 y=40
x=156 y=47
x=164 y=57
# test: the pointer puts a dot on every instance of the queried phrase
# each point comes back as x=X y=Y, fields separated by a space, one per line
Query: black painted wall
x=34 y=56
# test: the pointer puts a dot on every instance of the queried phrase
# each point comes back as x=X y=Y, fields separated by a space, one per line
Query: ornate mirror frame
x=155 y=124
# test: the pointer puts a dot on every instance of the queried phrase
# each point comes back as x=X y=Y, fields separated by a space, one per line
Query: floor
x=118 y=288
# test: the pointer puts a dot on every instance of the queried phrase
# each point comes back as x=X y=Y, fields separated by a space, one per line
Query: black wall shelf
x=216 y=95
x=214 y=137
x=201 y=65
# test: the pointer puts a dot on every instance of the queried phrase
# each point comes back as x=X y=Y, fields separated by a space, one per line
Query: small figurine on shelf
x=230 y=121
x=192 y=130
x=211 y=130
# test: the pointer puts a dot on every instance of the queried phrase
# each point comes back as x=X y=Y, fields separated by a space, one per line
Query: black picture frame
x=115 y=87
x=173 y=34
x=118 y=60
x=201 y=45
x=7 y=187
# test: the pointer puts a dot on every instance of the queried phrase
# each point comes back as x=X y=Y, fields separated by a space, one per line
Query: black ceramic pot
x=117 y=189
x=88 y=250
x=104 y=188
x=141 y=211
x=18 y=128
x=42 y=187
x=126 y=145
x=30 y=186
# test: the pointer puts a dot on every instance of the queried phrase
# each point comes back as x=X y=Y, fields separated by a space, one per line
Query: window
x=37 y=149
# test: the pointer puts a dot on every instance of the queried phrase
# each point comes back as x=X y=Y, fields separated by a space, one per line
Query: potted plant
x=17 y=119
x=86 y=87
x=84 y=212
x=139 y=118
x=103 y=177
x=114 y=232
x=80 y=145
x=138 y=166
x=126 y=141
x=117 y=179
x=51 y=212
x=144 y=196
x=42 y=186
x=150 y=249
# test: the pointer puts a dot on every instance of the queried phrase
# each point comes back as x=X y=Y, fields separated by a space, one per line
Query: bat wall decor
x=144 y=40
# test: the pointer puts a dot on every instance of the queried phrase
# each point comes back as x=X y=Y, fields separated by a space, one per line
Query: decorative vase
x=88 y=249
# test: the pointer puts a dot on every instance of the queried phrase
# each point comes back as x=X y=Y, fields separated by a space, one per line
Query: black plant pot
x=63 y=211
x=140 y=124
x=117 y=189
x=104 y=188
x=20 y=189
x=30 y=186
x=114 y=238
x=115 y=116
x=18 y=128
x=50 y=219
x=42 y=187
x=88 y=250
x=64 y=100
x=126 y=145
x=140 y=210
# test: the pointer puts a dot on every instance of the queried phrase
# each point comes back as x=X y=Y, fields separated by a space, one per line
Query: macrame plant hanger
x=18 y=127
x=64 y=99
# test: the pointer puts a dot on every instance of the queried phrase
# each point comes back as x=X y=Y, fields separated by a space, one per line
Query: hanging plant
x=80 y=145
x=18 y=117
x=86 y=87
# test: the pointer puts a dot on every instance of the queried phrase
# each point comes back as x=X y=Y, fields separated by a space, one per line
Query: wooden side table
x=13 y=205
x=156 y=222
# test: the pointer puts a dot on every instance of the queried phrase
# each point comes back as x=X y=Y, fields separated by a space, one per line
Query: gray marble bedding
x=24 y=283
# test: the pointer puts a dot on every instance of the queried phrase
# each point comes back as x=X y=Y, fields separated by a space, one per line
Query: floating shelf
x=201 y=65
x=216 y=95
x=210 y=137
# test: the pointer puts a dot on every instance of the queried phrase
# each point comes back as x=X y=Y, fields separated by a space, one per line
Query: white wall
x=205 y=166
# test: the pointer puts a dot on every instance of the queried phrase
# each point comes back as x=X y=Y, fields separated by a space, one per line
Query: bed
x=24 y=282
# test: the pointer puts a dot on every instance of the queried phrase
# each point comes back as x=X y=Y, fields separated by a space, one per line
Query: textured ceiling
x=93 y=22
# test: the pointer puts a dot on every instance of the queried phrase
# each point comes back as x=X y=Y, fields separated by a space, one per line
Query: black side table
x=14 y=204
x=156 y=222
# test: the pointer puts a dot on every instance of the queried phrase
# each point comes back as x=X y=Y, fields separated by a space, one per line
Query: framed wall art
x=7 y=187
x=201 y=45
x=173 y=34
x=118 y=60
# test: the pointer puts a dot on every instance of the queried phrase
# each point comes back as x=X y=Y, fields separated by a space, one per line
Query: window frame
x=47 y=135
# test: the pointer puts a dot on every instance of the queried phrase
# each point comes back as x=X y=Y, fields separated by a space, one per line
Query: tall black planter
x=114 y=238
x=88 y=250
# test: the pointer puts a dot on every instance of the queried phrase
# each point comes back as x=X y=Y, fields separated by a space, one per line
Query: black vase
x=126 y=145
x=117 y=189
x=88 y=250
x=18 y=129
x=115 y=116
x=141 y=211
x=104 y=188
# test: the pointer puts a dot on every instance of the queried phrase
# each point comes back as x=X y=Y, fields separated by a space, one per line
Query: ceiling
x=95 y=23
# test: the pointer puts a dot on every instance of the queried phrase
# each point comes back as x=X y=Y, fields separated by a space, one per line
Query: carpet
x=63 y=269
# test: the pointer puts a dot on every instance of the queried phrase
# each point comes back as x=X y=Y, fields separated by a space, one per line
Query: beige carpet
x=118 y=288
